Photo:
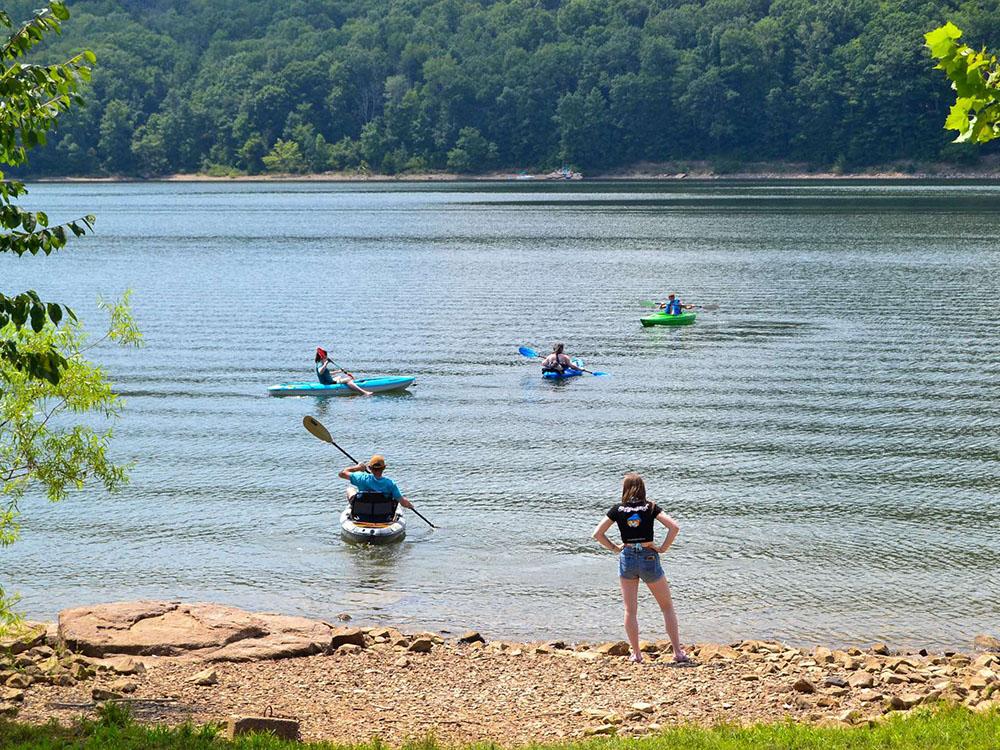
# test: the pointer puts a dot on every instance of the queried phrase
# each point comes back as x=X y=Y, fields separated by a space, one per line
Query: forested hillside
x=409 y=85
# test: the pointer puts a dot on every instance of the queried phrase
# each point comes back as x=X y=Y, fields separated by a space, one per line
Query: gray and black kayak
x=377 y=522
x=375 y=385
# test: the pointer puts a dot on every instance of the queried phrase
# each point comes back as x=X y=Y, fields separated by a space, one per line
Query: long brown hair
x=633 y=489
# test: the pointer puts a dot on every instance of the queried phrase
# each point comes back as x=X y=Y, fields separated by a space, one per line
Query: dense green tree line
x=473 y=85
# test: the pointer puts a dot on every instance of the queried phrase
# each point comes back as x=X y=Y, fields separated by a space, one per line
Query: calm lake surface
x=829 y=439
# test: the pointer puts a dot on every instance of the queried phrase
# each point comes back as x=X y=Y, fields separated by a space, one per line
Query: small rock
x=124 y=685
x=975 y=683
x=904 y=702
x=835 y=681
x=421 y=645
x=8 y=709
x=861 y=680
x=749 y=677
x=10 y=694
x=344 y=617
x=126 y=665
x=986 y=643
x=41 y=652
x=63 y=680
x=101 y=694
x=613 y=648
x=850 y=716
x=205 y=677
x=646 y=708
x=402 y=661
x=349 y=648
x=20 y=681
x=984 y=661
x=471 y=636
x=869 y=696
x=823 y=655
x=601 y=729
x=880 y=648
x=341 y=636
x=802 y=685
x=81 y=672
x=828 y=701
x=29 y=635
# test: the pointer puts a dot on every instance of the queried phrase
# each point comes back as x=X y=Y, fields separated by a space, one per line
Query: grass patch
x=943 y=728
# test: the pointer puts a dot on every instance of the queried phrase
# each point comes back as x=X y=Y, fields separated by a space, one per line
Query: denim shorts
x=636 y=561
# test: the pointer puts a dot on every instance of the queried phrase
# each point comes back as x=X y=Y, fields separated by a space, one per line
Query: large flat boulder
x=207 y=631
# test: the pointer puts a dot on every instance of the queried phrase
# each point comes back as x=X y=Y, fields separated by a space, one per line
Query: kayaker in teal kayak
x=673 y=306
x=368 y=478
x=557 y=361
x=335 y=375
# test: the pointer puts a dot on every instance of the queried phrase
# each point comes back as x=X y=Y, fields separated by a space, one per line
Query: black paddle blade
x=317 y=429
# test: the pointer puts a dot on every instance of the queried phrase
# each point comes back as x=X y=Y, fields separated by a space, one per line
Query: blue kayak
x=375 y=385
x=565 y=373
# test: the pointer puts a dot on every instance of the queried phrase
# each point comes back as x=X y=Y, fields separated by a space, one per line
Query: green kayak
x=684 y=319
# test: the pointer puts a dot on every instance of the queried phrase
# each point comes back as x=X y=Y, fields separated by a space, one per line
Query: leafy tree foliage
x=388 y=86
x=32 y=98
x=43 y=447
x=975 y=77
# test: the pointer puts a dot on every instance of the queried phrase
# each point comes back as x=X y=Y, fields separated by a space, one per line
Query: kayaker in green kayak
x=673 y=306
x=368 y=478
x=335 y=375
x=557 y=361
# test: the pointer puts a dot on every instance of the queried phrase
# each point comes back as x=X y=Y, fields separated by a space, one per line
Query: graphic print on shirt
x=634 y=520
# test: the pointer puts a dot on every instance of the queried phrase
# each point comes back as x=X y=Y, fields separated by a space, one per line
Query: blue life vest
x=674 y=307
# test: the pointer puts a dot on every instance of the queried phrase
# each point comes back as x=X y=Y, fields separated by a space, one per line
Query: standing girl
x=639 y=558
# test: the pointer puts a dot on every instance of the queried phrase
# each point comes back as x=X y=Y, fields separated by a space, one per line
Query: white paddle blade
x=316 y=428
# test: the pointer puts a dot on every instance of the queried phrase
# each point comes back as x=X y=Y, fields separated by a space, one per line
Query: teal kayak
x=684 y=319
x=375 y=385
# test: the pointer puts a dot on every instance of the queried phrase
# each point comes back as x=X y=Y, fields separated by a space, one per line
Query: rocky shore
x=174 y=662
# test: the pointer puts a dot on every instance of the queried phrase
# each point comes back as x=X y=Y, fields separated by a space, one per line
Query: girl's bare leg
x=661 y=591
x=355 y=387
x=630 y=597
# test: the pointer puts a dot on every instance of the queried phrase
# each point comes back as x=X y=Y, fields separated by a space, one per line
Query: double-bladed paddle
x=317 y=429
x=527 y=351
x=650 y=303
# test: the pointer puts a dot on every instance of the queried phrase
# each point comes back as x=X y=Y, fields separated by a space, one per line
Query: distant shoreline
x=668 y=172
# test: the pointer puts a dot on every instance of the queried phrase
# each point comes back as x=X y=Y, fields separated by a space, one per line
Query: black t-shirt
x=635 y=520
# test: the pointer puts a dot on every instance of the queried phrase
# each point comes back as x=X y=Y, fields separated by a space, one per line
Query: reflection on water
x=827 y=438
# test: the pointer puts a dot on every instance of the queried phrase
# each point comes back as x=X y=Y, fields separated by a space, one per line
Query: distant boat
x=524 y=176
x=564 y=174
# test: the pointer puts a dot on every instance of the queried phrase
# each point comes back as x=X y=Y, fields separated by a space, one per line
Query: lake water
x=829 y=439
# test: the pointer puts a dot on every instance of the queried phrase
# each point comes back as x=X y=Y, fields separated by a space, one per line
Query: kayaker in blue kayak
x=557 y=361
x=335 y=375
x=368 y=478
x=673 y=306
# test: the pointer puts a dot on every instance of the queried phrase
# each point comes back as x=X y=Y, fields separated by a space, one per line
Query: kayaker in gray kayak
x=673 y=306
x=369 y=478
x=329 y=373
x=557 y=361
